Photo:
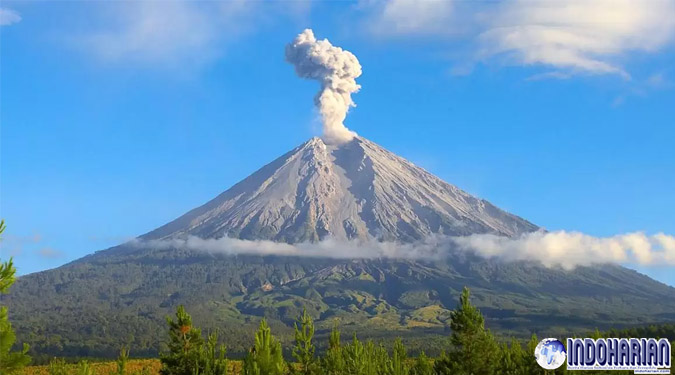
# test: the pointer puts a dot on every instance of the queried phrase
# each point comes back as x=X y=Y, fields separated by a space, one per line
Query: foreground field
x=137 y=366
x=134 y=367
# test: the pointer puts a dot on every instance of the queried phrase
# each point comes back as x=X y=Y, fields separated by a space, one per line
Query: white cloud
x=14 y=245
x=657 y=81
x=552 y=249
x=570 y=36
x=328 y=248
x=50 y=253
x=584 y=36
x=8 y=17
x=413 y=17
x=166 y=32
x=571 y=249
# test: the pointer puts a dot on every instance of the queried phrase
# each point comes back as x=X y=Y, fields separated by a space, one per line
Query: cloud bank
x=571 y=249
x=571 y=36
x=336 y=70
x=552 y=249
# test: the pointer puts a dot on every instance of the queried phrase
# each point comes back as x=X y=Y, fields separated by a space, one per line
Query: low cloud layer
x=552 y=249
x=571 y=249
x=329 y=248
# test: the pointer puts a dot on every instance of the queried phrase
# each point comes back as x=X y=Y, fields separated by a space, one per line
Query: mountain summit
x=348 y=191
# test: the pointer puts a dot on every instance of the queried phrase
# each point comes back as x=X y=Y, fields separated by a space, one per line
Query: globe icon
x=550 y=353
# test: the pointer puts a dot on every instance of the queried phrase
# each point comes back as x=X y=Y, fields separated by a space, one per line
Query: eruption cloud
x=336 y=70
x=552 y=249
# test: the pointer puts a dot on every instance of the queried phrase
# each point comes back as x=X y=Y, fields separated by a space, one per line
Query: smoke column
x=336 y=70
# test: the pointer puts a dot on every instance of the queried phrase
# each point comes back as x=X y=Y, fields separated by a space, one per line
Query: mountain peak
x=354 y=190
x=314 y=142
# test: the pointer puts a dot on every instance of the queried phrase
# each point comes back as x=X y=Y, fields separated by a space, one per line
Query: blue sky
x=118 y=117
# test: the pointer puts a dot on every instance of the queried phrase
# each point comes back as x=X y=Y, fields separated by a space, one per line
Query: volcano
x=353 y=190
x=319 y=191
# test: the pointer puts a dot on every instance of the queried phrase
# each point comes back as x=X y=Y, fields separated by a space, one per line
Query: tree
x=473 y=348
x=188 y=353
x=304 y=349
x=354 y=357
x=10 y=362
x=422 y=366
x=185 y=344
x=265 y=357
x=529 y=361
x=376 y=360
x=83 y=368
x=122 y=361
x=57 y=367
x=333 y=362
x=399 y=358
x=512 y=359
x=213 y=357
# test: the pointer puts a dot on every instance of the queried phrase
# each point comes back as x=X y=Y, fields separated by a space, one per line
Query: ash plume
x=336 y=70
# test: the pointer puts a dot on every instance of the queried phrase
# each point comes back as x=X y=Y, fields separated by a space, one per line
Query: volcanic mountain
x=318 y=191
x=355 y=190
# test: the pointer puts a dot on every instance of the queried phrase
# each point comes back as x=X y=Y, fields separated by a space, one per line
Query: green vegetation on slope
x=120 y=297
x=11 y=362
x=471 y=349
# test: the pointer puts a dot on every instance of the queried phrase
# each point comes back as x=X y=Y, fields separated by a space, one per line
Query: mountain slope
x=356 y=190
x=92 y=308
x=120 y=296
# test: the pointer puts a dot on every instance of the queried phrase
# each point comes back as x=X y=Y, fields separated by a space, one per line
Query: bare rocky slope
x=355 y=190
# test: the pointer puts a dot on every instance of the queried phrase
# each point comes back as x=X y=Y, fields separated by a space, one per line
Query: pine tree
x=265 y=358
x=213 y=358
x=399 y=358
x=376 y=359
x=185 y=346
x=83 y=368
x=57 y=367
x=122 y=361
x=422 y=366
x=304 y=349
x=355 y=357
x=333 y=363
x=512 y=359
x=529 y=361
x=10 y=362
x=473 y=348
